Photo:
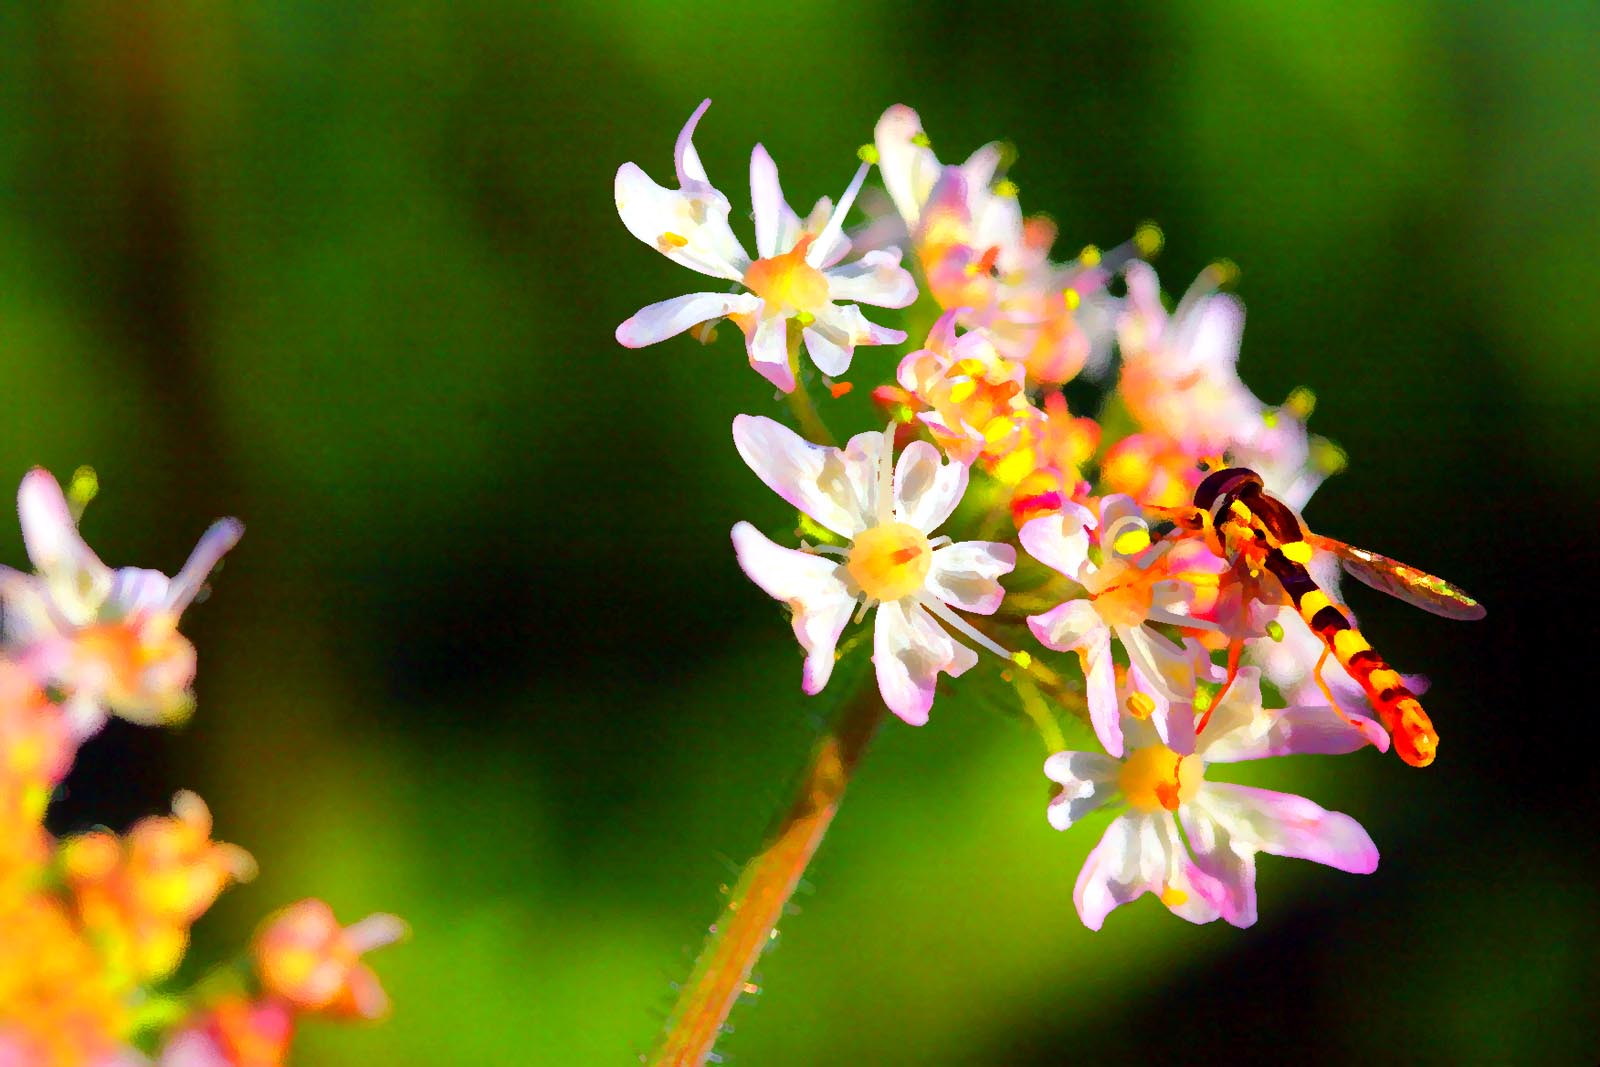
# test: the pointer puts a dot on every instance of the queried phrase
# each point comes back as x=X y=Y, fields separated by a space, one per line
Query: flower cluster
x=94 y=925
x=1157 y=540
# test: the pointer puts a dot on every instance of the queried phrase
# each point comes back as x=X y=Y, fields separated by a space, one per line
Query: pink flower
x=305 y=957
x=797 y=278
x=1162 y=784
x=107 y=637
x=887 y=512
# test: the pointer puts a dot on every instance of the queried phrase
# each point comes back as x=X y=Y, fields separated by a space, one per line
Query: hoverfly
x=1255 y=532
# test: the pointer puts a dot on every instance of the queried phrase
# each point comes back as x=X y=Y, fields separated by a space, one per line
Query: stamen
x=886 y=478
x=1148 y=239
x=942 y=611
x=83 y=487
x=831 y=231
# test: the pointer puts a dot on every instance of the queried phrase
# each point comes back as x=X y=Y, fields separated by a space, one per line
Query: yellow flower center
x=787 y=282
x=1157 y=778
x=890 y=561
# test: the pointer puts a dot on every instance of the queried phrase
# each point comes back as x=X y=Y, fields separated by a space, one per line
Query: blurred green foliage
x=351 y=272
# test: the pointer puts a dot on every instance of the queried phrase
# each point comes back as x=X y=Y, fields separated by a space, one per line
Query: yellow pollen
x=1090 y=256
x=1022 y=659
x=1275 y=630
x=920 y=139
x=670 y=241
x=867 y=153
x=787 y=282
x=1301 y=403
x=1148 y=239
x=1157 y=778
x=1131 y=542
x=1005 y=188
x=1072 y=299
x=1174 y=897
x=1140 y=705
x=1297 y=552
x=890 y=561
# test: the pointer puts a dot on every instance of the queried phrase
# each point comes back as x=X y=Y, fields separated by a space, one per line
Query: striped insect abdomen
x=1397 y=707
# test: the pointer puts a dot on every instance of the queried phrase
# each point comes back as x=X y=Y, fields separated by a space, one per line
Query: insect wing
x=1415 y=587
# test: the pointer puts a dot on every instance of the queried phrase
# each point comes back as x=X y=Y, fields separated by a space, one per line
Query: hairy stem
x=756 y=903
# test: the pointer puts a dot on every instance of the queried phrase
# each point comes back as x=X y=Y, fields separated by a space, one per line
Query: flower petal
x=876 y=278
x=767 y=345
x=772 y=213
x=965 y=574
x=1304 y=729
x=844 y=326
x=1067 y=626
x=688 y=226
x=668 y=318
x=685 y=160
x=909 y=651
x=1233 y=870
x=1060 y=542
x=1088 y=780
x=909 y=169
x=926 y=488
x=837 y=488
x=812 y=588
x=1286 y=825
x=1142 y=854
x=78 y=581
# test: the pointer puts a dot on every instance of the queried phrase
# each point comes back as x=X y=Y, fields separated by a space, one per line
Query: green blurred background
x=351 y=272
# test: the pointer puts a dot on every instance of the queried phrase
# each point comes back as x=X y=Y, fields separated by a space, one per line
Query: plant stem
x=805 y=412
x=746 y=926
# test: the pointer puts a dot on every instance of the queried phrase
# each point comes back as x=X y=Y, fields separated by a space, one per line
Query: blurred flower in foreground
x=1162 y=783
x=93 y=927
x=305 y=957
x=139 y=894
x=982 y=257
x=798 y=277
x=108 y=638
x=886 y=511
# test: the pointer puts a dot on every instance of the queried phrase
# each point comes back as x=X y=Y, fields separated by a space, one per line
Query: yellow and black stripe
x=1234 y=497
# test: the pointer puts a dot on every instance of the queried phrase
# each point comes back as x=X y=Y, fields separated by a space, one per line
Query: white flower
x=1127 y=590
x=1162 y=783
x=107 y=637
x=797 y=277
x=887 y=511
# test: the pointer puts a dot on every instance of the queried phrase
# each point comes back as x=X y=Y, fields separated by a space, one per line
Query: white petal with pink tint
x=768 y=348
x=1087 y=781
x=926 y=487
x=837 y=488
x=909 y=652
x=876 y=278
x=77 y=580
x=966 y=574
x=1286 y=825
x=688 y=229
x=813 y=588
x=1060 y=542
x=668 y=318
